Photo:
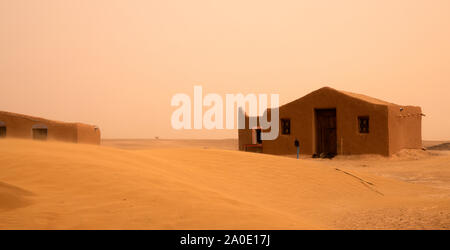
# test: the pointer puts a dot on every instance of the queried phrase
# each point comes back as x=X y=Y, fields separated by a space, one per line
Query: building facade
x=331 y=122
x=28 y=127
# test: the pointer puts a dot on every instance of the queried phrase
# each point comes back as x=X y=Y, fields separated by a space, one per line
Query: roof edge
x=39 y=119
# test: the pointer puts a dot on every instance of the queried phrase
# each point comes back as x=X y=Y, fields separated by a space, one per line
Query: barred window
x=285 y=126
x=40 y=132
x=363 y=122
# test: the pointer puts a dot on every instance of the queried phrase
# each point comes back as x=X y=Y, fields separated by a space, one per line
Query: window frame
x=283 y=122
x=360 y=128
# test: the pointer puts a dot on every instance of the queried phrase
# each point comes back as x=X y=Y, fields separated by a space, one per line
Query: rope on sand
x=364 y=182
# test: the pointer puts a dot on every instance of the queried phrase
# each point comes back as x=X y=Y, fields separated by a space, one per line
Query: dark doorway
x=2 y=131
x=326 y=138
x=258 y=136
x=39 y=132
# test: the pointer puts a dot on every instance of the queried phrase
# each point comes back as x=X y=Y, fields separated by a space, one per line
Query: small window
x=285 y=126
x=363 y=122
x=39 y=132
x=2 y=130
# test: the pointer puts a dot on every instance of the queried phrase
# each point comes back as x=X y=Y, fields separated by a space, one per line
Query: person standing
x=297 y=145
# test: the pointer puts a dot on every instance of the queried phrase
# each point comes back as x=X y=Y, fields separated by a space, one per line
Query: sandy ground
x=126 y=184
x=428 y=143
x=135 y=144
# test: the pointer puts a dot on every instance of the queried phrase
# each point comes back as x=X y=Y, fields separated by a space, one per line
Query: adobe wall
x=405 y=128
x=20 y=126
x=349 y=140
x=302 y=115
x=61 y=132
x=88 y=134
x=245 y=135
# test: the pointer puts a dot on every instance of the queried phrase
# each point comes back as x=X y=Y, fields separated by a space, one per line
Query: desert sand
x=126 y=184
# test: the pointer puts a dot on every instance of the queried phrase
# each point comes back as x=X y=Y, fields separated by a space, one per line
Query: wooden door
x=326 y=137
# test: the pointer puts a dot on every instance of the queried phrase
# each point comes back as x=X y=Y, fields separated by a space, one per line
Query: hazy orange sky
x=117 y=64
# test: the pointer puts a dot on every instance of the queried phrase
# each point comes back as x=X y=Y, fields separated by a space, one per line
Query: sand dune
x=12 y=197
x=133 y=144
x=49 y=185
x=443 y=146
x=428 y=143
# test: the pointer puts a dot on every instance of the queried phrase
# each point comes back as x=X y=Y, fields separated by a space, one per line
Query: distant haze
x=116 y=64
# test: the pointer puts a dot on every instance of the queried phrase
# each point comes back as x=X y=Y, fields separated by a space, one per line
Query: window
x=39 y=132
x=2 y=130
x=363 y=122
x=285 y=126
